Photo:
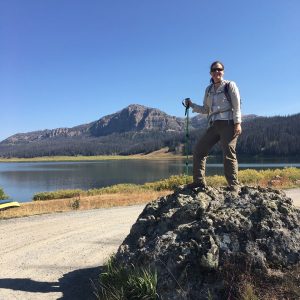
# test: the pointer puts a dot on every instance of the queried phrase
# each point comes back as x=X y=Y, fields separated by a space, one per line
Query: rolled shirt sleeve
x=199 y=108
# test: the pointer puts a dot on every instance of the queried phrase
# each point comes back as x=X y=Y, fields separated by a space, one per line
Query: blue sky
x=68 y=62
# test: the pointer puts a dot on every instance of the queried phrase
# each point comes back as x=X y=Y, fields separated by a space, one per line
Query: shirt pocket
x=221 y=98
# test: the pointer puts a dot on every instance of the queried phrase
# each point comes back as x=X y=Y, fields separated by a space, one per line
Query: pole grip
x=186 y=106
x=183 y=103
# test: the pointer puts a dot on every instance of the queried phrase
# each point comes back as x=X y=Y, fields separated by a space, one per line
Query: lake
x=22 y=180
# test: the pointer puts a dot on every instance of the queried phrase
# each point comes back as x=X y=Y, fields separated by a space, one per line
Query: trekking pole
x=186 y=135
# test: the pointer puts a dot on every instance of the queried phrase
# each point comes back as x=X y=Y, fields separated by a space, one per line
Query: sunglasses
x=216 y=69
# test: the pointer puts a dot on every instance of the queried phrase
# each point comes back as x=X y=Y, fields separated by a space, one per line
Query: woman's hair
x=212 y=66
x=216 y=62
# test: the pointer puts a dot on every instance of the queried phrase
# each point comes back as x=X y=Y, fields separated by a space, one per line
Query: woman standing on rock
x=222 y=104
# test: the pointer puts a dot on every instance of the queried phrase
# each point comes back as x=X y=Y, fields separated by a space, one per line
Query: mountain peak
x=136 y=117
x=135 y=107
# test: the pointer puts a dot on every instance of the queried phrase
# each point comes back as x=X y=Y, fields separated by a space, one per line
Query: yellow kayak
x=7 y=205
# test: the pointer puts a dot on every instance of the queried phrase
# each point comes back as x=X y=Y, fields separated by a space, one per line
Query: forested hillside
x=268 y=136
x=271 y=136
x=276 y=136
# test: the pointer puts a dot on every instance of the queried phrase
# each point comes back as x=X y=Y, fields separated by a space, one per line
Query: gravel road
x=54 y=256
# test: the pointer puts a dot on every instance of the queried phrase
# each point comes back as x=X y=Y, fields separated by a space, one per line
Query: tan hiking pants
x=222 y=131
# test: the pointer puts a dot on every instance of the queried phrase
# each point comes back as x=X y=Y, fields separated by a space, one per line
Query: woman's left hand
x=237 y=129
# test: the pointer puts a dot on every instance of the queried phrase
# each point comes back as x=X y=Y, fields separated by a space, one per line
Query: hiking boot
x=234 y=189
x=195 y=185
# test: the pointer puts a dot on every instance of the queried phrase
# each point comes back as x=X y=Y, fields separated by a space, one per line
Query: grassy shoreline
x=160 y=154
x=81 y=203
x=131 y=194
x=278 y=178
x=65 y=158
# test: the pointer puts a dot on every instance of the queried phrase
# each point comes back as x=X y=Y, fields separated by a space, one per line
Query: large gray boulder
x=193 y=237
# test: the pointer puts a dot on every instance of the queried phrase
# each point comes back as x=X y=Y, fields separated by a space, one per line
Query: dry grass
x=159 y=154
x=81 y=203
x=66 y=158
x=243 y=282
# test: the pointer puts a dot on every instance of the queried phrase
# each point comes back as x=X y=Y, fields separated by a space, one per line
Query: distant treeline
x=271 y=136
x=267 y=136
x=278 y=136
x=114 y=144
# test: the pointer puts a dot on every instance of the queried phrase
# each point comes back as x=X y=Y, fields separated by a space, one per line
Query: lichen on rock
x=190 y=236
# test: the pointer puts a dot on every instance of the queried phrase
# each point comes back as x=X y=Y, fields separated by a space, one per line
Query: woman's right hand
x=188 y=102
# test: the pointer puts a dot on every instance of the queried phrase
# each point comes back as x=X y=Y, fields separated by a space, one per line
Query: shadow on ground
x=76 y=285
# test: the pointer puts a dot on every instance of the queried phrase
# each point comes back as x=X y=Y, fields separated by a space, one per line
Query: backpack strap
x=208 y=90
x=227 y=95
x=226 y=92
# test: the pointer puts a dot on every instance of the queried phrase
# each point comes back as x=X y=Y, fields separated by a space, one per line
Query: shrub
x=120 y=282
x=59 y=194
x=117 y=188
x=250 y=176
x=248 y=292
x=291 y=173
x=3 y=196
x=75 y=204
x=170 y=183
x=243 y=281
x=216 y=180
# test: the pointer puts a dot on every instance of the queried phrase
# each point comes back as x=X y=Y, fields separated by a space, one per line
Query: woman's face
x=217 y=72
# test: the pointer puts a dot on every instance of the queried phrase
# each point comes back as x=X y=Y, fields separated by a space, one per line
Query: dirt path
x=53 y=256
x=295 y=195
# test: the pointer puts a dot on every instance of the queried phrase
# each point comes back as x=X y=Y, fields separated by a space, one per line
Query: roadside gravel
x=55 y=256
x=295 y=195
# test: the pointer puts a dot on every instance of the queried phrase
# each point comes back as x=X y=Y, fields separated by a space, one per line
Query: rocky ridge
x=192 y=238
x=135 y=117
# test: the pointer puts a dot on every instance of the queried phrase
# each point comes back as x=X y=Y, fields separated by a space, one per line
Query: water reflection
x=21 y=180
